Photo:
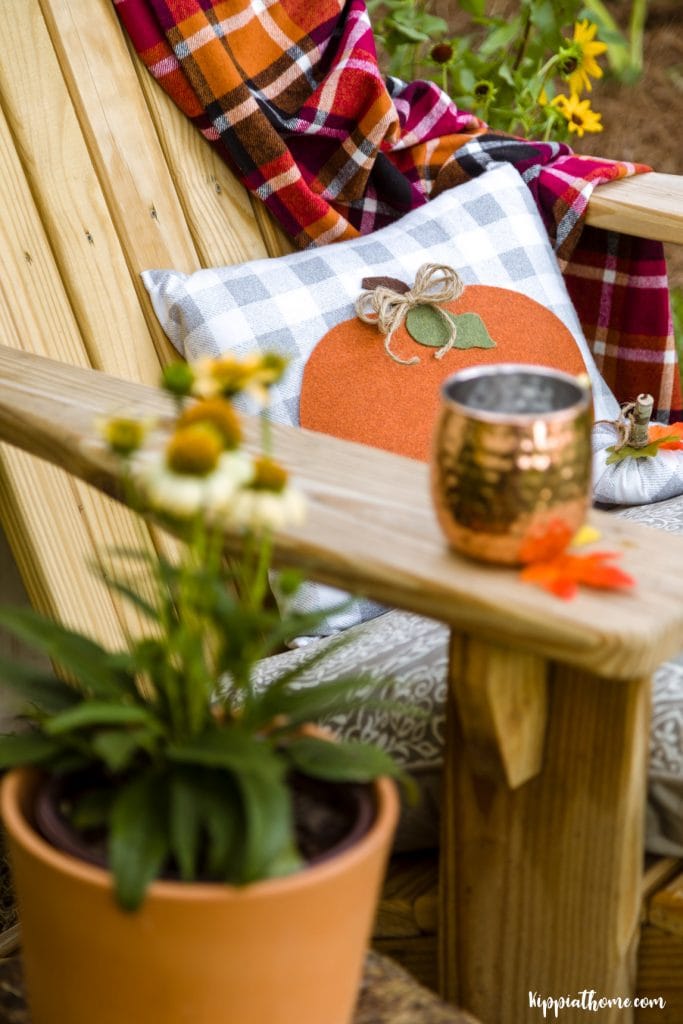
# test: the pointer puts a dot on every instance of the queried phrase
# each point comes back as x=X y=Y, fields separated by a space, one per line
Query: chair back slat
x=100 y=178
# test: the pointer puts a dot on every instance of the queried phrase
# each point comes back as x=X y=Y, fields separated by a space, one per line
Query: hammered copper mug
x=511 y=463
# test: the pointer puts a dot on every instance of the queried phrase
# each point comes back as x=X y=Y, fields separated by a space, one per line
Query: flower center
x=441 y=53
x=124 y=436
x=194 y=450
x=268 y=475
x=220 y=415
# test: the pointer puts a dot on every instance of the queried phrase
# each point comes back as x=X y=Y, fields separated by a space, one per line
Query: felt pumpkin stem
x=642 y=413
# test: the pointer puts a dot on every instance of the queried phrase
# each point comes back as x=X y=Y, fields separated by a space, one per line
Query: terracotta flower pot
x=283 y=951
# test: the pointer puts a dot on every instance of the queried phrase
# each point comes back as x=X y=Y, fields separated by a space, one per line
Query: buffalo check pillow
x=487 y=229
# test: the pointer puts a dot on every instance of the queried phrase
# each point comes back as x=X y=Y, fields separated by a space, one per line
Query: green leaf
x=184 y=825
x=37 y=687
x=474 y=7
x=138 y=841
x=472 y=332
x=310 y=703
x=93 y=713
x=269 y=845
x=544 y=16
x=229 y=749
x=132 y=595
x=501 y=37
x=432 y=24
x=26 y=748
x=405 y=32
x=649 y=451
x=222 y=818
x=428 y=327
x=347 y=761
x=117 y=747
x=325 y=649
x=79 y=655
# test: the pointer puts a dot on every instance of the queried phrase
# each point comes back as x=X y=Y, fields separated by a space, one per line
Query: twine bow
x=434 y=283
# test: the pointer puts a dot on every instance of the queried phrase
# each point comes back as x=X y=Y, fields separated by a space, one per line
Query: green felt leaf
x=472 y=332
x=648 y=452
x=427 y=326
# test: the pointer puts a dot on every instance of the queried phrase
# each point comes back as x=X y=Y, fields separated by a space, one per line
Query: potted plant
x=184 y=847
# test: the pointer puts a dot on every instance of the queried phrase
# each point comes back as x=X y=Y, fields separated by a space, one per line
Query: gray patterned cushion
x=413 y=651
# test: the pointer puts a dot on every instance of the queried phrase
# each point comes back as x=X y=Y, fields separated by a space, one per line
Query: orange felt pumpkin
x=352 y=389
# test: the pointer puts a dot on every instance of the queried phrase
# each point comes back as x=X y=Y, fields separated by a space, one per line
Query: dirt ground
x=644 y=122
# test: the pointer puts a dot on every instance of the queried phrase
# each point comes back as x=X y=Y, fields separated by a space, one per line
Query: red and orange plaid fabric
x=290 y=94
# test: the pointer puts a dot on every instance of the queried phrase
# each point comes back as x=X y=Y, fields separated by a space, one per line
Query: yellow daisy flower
x=580 y=64
x=580 y=117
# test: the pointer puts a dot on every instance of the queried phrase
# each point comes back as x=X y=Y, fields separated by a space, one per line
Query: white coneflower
x=228 y=375
x=268 y=501
x=194 y=474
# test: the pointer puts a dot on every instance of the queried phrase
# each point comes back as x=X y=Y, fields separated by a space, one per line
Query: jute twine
x=434 y=283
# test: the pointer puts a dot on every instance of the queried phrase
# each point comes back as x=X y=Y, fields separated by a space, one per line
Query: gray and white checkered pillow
x=488 y=229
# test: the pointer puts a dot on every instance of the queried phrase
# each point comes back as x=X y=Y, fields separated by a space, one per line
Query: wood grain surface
x=540 y=886
x=371 y=528
x=647 y=205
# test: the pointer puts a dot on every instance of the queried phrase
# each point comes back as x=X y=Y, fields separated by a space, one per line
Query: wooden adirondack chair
x=100 y=178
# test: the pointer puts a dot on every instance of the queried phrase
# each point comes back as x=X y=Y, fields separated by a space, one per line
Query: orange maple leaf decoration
x=562 y=575
x=674 y=443
x=544 y=543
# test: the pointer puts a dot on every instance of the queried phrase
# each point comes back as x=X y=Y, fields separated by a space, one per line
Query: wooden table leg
x=540 y=885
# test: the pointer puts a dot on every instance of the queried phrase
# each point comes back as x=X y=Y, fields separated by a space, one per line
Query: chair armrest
x=371 y=528
x=647 y=205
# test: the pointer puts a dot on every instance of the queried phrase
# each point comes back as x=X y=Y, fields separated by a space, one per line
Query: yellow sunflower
x=580 y=64
x=580 y=117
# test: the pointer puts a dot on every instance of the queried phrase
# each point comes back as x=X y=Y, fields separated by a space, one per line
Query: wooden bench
x=100 y=178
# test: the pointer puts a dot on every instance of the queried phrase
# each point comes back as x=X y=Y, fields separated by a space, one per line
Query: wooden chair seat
x=100 y=178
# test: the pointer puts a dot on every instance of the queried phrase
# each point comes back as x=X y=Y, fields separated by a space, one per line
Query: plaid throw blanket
x=290 y=94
